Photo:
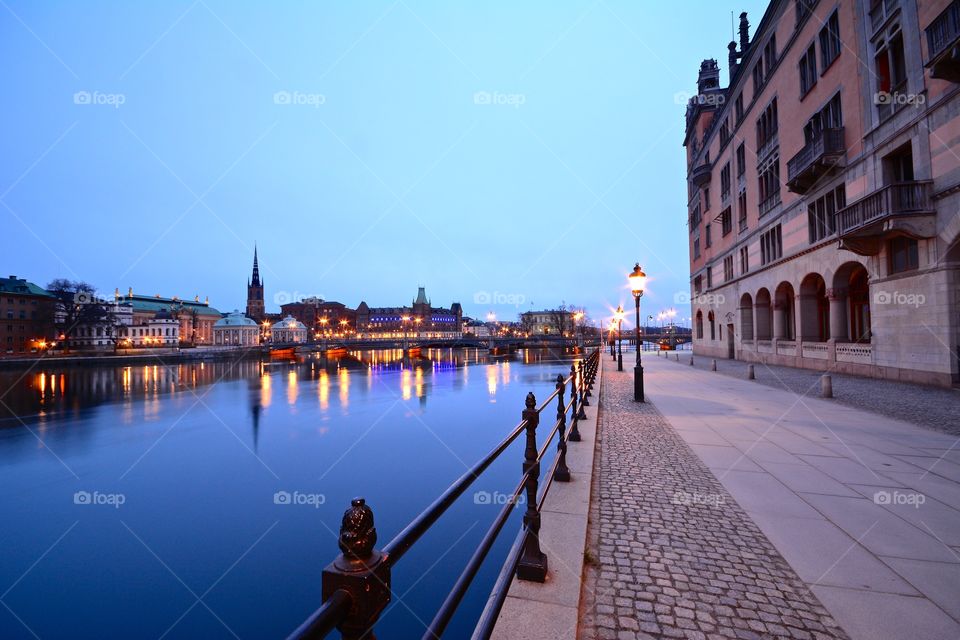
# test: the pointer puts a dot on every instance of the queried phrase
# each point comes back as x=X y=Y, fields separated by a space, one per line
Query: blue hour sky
x=505 y=155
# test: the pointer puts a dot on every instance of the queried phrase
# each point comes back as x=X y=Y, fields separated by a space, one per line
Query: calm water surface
x=202 y=500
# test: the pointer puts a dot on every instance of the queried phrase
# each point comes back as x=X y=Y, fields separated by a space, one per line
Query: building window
x=829 y=42
x=891 y=73
x=830 y=117
x=808 y=70
x=904 y=254
x=738 y=108
x=713 y=326
x=709 y=239
x=725 y=182
x=706 y=199
x=741 y=160
x=709 y=277
x=744 y=260
x=724 y=132
x=698 y=285
x=728 y=268
x=769 y=183
x=696 y=248
x=699 y=325
x=742 y=211
x=767 y=127
x=821 y=213
x=771 y=245
x=726 y=221
x=804 y=8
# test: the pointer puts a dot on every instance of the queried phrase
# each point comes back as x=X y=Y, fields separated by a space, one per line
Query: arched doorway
x=746 y=317
x=851 y=295
x=814 y=309
x=784 y=313
x=764 y=321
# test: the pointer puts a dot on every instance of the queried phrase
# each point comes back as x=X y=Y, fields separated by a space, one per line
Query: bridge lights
x=638 y=282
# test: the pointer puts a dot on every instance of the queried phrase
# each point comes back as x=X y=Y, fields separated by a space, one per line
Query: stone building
x=547 y=322
x=195 y=318
x=830 y=242
x=324 y=317
x=236 y=329
x=420 y=319
x=288 y=330
x=26 y=317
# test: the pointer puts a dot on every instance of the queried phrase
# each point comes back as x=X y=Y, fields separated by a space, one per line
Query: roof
x=290 y=323
x=19 y=286
x=156 y=304
x=235 y=319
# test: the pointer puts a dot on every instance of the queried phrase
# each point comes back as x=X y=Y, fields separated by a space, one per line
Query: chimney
x=732 y=59
x=744 y=33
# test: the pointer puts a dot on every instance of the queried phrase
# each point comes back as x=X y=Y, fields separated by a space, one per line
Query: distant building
x=236 y=329
x=195 y=318
x=26 y=317
x=547 y=322
x=420 y=319
x=255 y=306
x=160 y=330
x=322 y=316
x=288 y=330
x=104 y=331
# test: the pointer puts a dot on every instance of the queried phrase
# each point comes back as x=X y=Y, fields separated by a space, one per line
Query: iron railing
x=901 y=198
x=356 y=586
x=944 y=30
x=819 y=154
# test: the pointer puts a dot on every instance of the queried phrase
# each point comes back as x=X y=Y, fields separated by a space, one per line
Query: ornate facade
x=420 y=319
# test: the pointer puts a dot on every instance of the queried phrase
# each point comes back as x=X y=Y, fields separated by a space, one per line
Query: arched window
x=713 y=326
x=699 y=325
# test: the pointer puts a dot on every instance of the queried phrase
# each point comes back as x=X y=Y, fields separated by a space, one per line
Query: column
x=779 y=326
x=838 y=315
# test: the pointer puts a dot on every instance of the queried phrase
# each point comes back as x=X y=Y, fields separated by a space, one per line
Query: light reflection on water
x=177 y=440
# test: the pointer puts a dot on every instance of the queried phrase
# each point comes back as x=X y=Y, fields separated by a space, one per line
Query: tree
x=76 y=305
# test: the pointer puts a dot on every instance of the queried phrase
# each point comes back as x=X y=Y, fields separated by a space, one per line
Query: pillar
x=779 y=326
x=838 y=315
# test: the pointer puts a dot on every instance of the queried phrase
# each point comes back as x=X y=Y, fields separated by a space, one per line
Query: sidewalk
x=865 y=508
x=671 y=554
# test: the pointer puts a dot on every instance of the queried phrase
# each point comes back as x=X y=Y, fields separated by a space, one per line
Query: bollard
x=533 y=562
x=678 y=356
x=826 y=386
x=691 y=361
x=750 y=375
x=561 y=473
x=574 y=413
x=713 y=365
x=358 y=571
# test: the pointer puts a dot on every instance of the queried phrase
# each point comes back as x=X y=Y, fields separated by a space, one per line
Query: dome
x=235 y=319
x=290 y=323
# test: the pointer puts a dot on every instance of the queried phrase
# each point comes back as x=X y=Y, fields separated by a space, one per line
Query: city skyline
x=176 y=139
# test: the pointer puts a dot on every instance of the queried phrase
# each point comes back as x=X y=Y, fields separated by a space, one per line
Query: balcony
x=819 y=157
x=701 y=174
x=904 y=208
x=943 y=38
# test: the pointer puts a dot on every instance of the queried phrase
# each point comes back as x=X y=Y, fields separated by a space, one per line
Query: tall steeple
x=255 y=306
x=255 y=281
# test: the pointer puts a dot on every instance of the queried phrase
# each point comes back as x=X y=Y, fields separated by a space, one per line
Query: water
x=203 y=499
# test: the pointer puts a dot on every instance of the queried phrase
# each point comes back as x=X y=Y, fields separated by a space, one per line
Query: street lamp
x=619 y=318
x=638 y=281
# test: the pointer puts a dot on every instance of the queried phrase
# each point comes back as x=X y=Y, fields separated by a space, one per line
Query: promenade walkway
x=726 y=508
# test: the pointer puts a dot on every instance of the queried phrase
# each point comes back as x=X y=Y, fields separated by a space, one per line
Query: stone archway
x=783 y=312
x=746 y=317
x=850 y=304
x=814 y=309
x=764 y=317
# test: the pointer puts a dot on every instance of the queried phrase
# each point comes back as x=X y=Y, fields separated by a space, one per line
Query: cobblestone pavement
x=671 y=555
x=931 y=407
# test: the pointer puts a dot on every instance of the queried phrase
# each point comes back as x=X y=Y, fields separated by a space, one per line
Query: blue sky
x=504 y=155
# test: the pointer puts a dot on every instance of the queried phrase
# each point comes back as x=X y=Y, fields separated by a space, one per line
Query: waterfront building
x=829 y=239
x=102 y=330
x=288 y=330
x=159 y=330
x=420 y=319
x=26 y=317
x=547 y=322
x=255 y=306
x=236 y=329
x=195 y=318
x=323 y=317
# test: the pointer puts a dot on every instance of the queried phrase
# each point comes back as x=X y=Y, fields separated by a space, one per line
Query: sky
x=508 y=156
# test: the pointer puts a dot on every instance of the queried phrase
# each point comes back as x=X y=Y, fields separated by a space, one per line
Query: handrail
x=356 y=586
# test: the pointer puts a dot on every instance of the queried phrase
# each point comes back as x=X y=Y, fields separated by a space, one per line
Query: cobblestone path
x=671 y=555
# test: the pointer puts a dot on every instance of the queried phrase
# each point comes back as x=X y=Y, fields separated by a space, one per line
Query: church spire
x=255 y=281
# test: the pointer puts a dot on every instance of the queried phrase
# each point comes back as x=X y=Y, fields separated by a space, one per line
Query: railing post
x=583 y=385
x=574 y=414
x=561 y=473
x=360 y=571
x=533 y=562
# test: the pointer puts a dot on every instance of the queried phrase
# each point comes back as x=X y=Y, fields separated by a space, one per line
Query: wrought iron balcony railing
x=898 y=199
x=818 y=157
x=943 y=37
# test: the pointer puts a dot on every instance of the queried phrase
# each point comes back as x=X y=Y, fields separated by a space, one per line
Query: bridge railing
x=356 y=586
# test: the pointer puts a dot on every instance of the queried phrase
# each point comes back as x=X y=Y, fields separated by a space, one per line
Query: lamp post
x=619 y=316
x=613 y=348
x=638 y=281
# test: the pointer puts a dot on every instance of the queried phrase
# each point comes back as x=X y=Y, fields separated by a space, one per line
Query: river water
x=202 y=499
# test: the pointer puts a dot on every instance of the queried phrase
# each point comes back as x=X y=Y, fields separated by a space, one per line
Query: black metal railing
x=356 y=586
x=901 y=198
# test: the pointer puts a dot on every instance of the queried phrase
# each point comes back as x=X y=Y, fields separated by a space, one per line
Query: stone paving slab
x=671 y=553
